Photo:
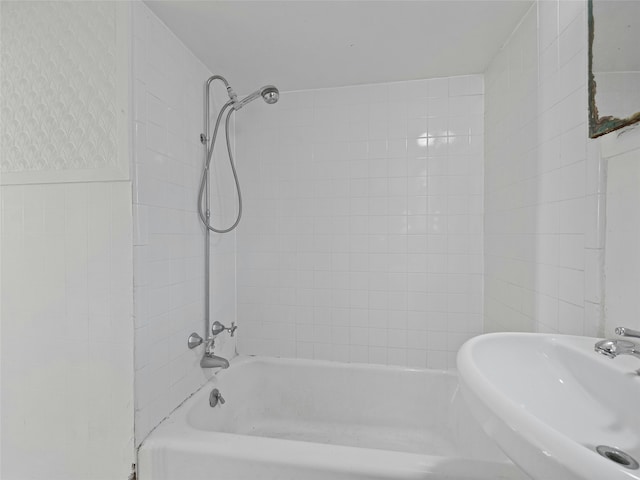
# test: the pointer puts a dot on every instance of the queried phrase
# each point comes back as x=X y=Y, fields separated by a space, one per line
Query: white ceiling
x=313 y=44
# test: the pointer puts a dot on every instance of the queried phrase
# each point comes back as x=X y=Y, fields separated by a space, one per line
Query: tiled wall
x=168 y=239
x=622 y=265
x=544 y=182
x=362 y=234
x=67 y=347
x=66 y=297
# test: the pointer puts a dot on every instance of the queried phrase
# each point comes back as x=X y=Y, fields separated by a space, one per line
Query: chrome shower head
x=269 y=93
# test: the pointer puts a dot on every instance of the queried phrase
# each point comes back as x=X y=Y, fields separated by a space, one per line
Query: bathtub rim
x=242 y=359
x=182 y=411
x=176 y=434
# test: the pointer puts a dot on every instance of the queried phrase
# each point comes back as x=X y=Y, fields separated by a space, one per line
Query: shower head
x=269 y=93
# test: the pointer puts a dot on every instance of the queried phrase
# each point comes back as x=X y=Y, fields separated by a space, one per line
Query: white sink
x=549 y=400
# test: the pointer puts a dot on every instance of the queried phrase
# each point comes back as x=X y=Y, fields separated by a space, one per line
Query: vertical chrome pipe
x=270 y=95
x=207 y=234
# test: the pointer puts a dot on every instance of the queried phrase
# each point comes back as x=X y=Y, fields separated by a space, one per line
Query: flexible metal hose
x=202 y=212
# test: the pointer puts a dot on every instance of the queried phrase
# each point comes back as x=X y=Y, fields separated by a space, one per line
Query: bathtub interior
x=386 y=408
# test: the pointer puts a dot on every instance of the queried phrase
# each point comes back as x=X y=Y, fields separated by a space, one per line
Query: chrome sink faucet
x=613 y=348
x=209 y=360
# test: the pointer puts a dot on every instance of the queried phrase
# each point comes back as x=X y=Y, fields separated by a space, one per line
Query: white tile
x=593 y=272
x=571 y=251
x=353 y=224
x=571 y=286
x=170 y=240
x=417 y=89
x=438 y=87
x=595 y=218
x=571 y=318
x=555 y=199
x=466 y=85
x=572 y=37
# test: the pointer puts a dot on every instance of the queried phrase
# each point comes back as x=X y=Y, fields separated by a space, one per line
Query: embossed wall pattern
x=58 y=81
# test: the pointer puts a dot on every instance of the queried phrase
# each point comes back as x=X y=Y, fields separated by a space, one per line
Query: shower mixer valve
x=209 y=360
x=217 y=328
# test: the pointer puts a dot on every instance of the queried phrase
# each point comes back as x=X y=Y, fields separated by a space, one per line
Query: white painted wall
x=168 y=238
x=617 y=93
x=66 y=297
x=616 y=65
x=362 y=234
x=622 y=265
x=544 y=182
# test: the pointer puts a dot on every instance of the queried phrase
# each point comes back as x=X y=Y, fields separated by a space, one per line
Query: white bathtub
x=307 y=420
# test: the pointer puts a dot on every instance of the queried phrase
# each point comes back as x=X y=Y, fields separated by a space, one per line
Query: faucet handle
x=233 y=328
x=627 y=332
x=194 y=340
x=215 y=398
x=217 y=328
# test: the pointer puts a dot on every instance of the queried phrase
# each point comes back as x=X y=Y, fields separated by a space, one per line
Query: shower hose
x=202 y=211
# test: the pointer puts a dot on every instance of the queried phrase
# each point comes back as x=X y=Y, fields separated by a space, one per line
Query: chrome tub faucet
x=209 y=360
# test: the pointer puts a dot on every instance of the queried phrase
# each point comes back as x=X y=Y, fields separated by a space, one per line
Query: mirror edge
x=599 y=126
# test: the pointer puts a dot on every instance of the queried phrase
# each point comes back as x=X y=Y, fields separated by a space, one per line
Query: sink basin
x=549 y=401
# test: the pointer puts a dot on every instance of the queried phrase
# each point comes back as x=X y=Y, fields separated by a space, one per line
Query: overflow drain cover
x=618 y=456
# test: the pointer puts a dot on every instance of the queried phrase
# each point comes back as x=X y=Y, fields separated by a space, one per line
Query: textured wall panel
x=59 y=86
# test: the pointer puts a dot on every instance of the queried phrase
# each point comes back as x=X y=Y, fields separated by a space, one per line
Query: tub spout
x=213 y=361
x=209 y=360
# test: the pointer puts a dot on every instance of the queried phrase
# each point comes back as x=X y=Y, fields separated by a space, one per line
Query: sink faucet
x=613 y=348
x=209 y=360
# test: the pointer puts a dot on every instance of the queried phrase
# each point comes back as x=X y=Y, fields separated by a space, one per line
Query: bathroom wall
x=362 y=232
x=622 y=266
x=66 y=269
x=168 y=238
x=544 y=181
x=617 y=93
